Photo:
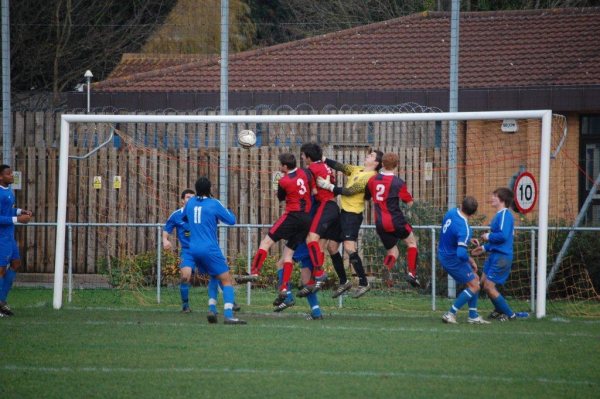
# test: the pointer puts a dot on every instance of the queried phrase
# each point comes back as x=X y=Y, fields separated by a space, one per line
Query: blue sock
x=313 y=302
x=184 y=290
x=463 y=298
x=228 y=299
x=501 y=304
x=213 y=293
x=473 y=305
x=279 y=277
x=2 y=295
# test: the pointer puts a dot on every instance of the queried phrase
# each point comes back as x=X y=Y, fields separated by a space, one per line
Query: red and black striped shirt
x=294 y=188
x=387 y=190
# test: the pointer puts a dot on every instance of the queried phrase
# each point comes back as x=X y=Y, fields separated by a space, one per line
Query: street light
x=88 y=77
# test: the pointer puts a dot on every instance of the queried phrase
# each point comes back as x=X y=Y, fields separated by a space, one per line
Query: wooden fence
x=157 y=160
x=150 y=187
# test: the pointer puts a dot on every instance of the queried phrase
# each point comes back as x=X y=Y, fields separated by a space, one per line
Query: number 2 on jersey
x=379 y=191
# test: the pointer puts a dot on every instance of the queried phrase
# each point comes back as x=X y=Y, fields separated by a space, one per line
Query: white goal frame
x=544 y=115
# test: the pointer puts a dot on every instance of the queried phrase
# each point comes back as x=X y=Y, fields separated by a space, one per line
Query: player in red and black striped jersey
x=295 y=189
x=387 y=190
x=325 y=225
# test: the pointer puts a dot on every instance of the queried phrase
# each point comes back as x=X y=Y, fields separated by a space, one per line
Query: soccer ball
x=247 y=138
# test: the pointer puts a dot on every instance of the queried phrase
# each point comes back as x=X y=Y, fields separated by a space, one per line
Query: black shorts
x=391 y=238
x=291 y=226
x=350 y=225
x=326 y=222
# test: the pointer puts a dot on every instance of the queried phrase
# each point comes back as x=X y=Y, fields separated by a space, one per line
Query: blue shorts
x=209 y=260
x=301 y=255
x=497 y=267
x=187 y=260
x=9 y=251
x=460 y=270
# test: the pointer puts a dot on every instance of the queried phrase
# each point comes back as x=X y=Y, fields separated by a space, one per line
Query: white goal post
x=544 y=115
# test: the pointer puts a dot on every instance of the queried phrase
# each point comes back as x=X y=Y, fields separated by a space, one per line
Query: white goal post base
x=544 y=115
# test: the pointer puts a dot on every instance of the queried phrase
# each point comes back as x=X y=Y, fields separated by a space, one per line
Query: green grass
x=381 y=346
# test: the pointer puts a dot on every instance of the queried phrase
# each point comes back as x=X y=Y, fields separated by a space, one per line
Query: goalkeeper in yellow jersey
x=351 y=217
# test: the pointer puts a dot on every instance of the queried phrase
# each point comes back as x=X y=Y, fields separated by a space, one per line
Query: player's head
x=312 y=151
x=6 y=175
x=203 y=187
x=378 y=159
x=288 y=160
x=504 y=195
x=390 y=160
x=374 y=158
x=469 y=205
x=186 y=195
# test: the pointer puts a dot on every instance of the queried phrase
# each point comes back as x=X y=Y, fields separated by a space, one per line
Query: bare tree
x=53 y=42
x=190 y=29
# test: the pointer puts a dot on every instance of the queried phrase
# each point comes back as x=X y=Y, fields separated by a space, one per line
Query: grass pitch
x=108 y=344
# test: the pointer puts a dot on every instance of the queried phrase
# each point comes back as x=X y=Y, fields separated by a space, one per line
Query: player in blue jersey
x=202 y=213
x=306 y=274
x=301 y=256
x=499 y=245
x=10 y=260
x=454 y=257
x=187 y=264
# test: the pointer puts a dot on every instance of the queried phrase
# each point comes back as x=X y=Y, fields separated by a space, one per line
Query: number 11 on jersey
x=197 y=214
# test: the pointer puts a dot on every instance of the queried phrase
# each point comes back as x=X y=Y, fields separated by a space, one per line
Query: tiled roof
x=534 y=48
x=136 y=63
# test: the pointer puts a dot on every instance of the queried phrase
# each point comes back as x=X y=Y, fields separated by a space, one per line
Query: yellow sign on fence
x=97 y=182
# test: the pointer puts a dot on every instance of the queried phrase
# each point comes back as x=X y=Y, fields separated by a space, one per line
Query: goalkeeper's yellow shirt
x=353 y=198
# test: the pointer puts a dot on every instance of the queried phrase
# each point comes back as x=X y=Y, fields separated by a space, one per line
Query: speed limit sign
x=525 y=192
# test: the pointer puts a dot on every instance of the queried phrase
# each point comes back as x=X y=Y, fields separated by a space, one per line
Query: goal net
x=118 y=196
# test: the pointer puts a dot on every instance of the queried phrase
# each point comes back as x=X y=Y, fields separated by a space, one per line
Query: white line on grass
x=325 y=373
x=392 y=314
x=312 y=325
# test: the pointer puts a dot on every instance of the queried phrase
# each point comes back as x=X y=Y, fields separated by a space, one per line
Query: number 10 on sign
x=525 y=192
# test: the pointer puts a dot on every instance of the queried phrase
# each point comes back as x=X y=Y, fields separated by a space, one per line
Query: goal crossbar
x=544 y=115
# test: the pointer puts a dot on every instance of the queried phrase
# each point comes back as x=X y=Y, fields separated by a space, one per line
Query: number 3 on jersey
x=197 y=214
x=301 y=186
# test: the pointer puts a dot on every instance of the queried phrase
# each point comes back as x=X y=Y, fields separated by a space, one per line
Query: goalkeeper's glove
x=325 y=184
x=275 y=181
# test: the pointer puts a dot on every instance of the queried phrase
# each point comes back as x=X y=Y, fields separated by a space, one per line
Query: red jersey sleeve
x=404 y=195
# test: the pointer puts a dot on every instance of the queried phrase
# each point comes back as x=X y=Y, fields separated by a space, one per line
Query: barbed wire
x=408 y=107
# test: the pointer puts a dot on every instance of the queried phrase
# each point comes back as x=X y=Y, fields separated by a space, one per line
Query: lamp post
x=88 y=77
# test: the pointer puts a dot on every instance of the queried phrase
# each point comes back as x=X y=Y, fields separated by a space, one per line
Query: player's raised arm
x=357 y=187
x=344 y=168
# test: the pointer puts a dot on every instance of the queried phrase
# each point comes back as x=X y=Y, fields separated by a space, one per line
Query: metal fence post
x=533 y=271
x=70 y=260
x=158 y=262
x=433 y=269
x=248 y=267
